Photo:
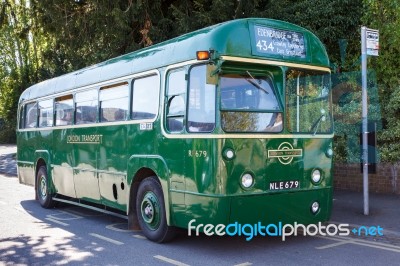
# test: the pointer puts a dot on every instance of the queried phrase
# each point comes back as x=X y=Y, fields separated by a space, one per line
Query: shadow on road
x=8 y=164
x=53 y=243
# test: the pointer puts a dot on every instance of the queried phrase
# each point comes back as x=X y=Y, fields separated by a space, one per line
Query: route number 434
x=263 y=45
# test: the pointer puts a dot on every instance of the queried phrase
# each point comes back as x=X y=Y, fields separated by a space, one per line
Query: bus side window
x=64 y=110
x=176 y=95
x=22 y=117
x=114 y=102
x=30 y=115
x=201 y=106
x=145 y=98
x=86 y=107
x=46 y=113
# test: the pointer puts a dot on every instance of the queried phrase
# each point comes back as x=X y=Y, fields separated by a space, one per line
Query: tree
x=82 y=33
x=16 y=60
x=385 y=16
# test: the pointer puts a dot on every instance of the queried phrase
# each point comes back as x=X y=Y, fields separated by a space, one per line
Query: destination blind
x=278 y=42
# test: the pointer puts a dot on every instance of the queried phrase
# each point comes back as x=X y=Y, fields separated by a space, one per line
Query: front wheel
x=42 y=188
x=150 y=210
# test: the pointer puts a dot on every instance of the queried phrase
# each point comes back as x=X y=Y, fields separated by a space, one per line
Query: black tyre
x=42 y=188
x=150 y=210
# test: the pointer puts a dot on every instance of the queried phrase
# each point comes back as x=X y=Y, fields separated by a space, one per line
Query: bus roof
x=231 y=38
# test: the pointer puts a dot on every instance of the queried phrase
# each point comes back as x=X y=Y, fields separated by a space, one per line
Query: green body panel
x=101 y=162
x=26 y=163
x=216 y=199
x=253 y=208
x=252 y=157
x=85 y=163
x=282 y=207
x=62 y=163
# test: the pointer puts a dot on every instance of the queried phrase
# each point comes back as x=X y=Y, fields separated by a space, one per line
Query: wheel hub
x=150 y=210
x=43 y=187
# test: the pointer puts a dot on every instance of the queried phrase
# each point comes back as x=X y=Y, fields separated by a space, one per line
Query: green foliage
x=17 y=63
x=390 y=137
x=385 y=16
x=8 y=108
x=347 y=109
x=80 y=35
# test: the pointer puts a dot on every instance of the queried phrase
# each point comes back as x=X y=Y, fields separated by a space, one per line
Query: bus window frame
x=35 y=103
x=123 y=83
x=169 y=98
x=188 y=98
x=21 y=116
x=97 y=105
x=131 y=95
x=69 y=96
x=254 y=70
x=52 y=111
x=328 y=97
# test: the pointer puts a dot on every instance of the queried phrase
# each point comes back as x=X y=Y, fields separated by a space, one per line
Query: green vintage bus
x=230 y=123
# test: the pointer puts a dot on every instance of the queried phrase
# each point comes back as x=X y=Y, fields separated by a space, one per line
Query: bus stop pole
x=364 y=119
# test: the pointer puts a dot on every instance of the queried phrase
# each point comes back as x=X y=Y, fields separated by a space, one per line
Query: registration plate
x=284 y=185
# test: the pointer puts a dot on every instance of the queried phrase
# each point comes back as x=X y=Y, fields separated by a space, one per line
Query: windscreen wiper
x=318 y=122
x=254 y=83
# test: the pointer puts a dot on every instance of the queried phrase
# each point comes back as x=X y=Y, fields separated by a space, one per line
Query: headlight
x=229 y=154
x=316 y=176
x=315 y=207
x=247 y=180
x=329 y=152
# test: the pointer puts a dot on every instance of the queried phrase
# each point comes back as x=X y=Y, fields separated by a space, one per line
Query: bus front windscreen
x=249 y=103
x=308 y=101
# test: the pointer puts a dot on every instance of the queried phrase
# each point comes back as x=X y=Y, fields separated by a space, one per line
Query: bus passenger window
x=46 y=113
x=64 y=110
x=21 y=123
x=145 y=98
x=86 y=107
x=201 y=113
x=30 y=115
x=114 y=103
x=176 y=94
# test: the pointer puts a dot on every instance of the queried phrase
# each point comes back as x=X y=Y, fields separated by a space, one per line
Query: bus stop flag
x=369 y=46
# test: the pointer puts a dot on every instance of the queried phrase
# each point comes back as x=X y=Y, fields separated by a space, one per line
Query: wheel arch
x=139 y=168
x=42 y=158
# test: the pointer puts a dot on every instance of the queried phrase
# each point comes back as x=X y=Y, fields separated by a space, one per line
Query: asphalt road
x=8 y=162
x=31 y=235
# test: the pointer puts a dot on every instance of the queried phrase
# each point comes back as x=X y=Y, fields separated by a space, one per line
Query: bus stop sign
x=372 y=39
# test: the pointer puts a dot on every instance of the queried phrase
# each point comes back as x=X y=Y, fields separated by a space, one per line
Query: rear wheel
x=42 y=188
x=151 y=211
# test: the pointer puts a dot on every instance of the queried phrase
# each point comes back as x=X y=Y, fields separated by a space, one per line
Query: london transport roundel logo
x=285 y=153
